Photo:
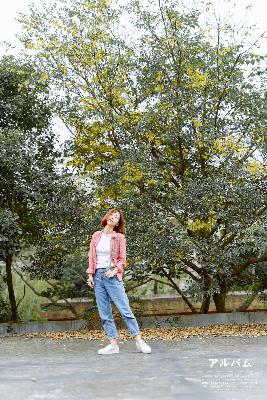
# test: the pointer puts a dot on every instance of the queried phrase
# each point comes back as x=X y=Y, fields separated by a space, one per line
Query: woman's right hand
x=90 y=281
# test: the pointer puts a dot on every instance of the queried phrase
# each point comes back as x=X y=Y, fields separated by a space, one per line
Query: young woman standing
x=107 y=258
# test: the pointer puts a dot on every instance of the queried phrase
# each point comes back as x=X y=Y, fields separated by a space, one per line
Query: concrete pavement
x=210 y=368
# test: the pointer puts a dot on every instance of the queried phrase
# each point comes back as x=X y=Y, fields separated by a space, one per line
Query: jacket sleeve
x=90 y=258
x=122 y=254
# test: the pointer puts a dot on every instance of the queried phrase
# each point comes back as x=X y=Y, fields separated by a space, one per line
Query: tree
x=170 y=126
x=35 y=192
x=25 y=142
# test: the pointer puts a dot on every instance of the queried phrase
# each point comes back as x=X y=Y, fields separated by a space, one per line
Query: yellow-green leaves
x=152 y=138
x=257 y=168
x=196 y=79
x=228 y=145
x=131 y=173
x=201 y=226
x=93 y=145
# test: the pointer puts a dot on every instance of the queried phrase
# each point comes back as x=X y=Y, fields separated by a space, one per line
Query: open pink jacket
x=119 y=257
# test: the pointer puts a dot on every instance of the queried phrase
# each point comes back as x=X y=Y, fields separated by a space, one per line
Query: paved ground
x=211 y=368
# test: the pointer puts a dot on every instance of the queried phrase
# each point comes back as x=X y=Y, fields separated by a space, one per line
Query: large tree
x=170 y=126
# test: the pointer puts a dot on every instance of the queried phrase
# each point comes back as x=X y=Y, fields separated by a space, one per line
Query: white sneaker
x=142 y=347
x=109 y=349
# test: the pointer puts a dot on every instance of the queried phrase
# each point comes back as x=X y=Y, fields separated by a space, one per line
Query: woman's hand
x=111 y=273
x=90 y=281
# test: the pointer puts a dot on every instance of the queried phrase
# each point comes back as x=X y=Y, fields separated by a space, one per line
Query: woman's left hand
x=111 y=273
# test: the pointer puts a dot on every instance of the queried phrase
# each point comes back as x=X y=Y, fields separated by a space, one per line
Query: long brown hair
x=122 y=223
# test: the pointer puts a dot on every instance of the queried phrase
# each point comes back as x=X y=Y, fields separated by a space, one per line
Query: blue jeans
x=107 y=289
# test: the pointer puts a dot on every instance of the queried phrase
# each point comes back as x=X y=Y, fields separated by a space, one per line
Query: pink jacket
x=119 y=257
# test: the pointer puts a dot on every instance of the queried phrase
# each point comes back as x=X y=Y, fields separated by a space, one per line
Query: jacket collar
x=114 y=233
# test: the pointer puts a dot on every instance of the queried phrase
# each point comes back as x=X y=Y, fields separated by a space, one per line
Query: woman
x=107 y=258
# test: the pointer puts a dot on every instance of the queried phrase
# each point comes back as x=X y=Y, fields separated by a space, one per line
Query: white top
x=103 y=252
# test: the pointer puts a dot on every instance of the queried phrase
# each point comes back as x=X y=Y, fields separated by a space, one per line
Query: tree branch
x=194 y=277
x=190 y=305
x=24 y=292
x=139 y=284
x=54 y=302
x=247 y=263
x=191 y=265
x=249 y=300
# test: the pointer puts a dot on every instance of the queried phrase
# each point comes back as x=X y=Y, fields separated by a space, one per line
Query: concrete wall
x=166 y=305
x=10 y=329
x=253 y=317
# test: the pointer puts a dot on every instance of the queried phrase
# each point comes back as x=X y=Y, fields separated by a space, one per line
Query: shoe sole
x=106 y=354
x=144 y=352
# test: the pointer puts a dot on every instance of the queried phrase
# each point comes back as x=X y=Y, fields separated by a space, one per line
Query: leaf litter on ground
x=173 y=333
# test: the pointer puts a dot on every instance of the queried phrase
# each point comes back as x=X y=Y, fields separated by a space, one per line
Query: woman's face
x=113 y=219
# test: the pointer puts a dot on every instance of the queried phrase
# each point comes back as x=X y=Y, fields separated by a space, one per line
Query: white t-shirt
x=103 y=252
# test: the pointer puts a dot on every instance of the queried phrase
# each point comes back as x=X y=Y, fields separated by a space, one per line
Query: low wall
x=10 y=329
x=253 y=317
x=167 y=305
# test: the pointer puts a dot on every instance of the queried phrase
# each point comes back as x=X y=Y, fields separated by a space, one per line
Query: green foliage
x=24 y=185
x=253 y=278
x=42 y=211
x=26 y=151
x=63 y=232
x=10 y=233
x=24 y=96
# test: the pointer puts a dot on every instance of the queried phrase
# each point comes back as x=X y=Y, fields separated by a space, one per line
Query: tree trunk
x=155 y=288
x=11 y=294
x=219 y=298
x=249 y=300
x=204 y=309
